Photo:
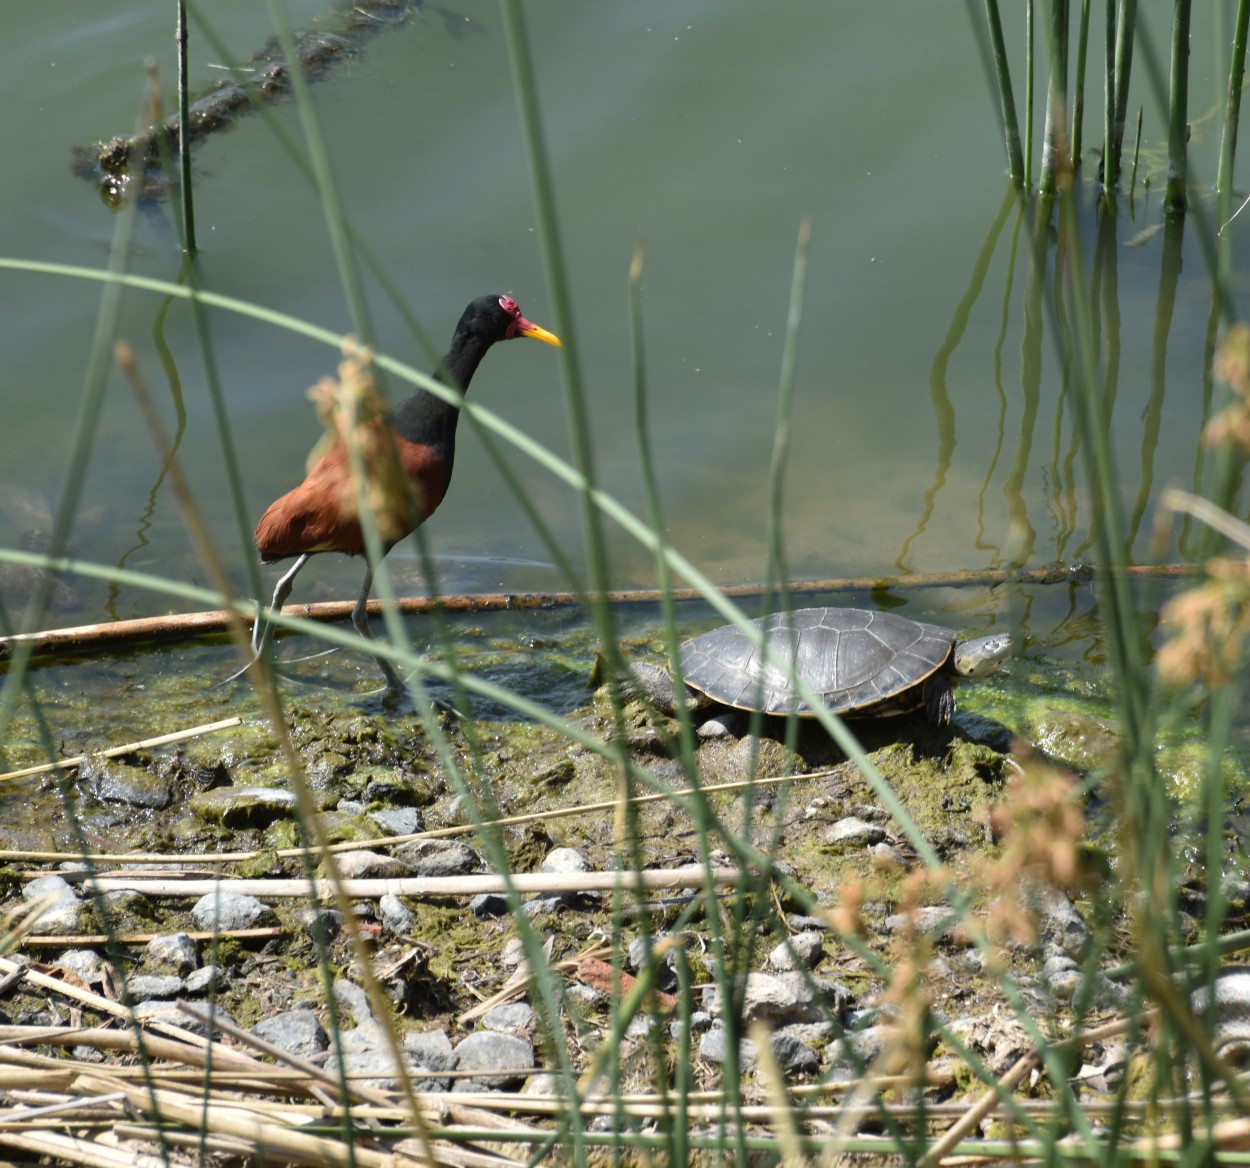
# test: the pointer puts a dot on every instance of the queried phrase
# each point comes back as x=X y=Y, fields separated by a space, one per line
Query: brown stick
x=176 y=626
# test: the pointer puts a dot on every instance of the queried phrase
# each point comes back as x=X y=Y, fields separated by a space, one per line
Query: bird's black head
x=498 y=318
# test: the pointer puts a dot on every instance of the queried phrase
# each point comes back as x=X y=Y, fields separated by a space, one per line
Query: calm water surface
x=932 y=431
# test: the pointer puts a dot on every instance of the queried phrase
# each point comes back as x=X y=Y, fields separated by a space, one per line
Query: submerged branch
x=178 y=626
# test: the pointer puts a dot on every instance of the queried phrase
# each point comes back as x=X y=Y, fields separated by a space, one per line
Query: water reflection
x=1050 y=521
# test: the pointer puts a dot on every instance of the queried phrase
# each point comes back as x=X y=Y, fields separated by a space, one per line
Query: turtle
x=861 y=662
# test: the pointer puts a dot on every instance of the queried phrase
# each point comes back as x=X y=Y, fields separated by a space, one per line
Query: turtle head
x=981 y=655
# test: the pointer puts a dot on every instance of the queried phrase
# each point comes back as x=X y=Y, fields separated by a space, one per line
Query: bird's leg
x=262 y=629
x=360 y=618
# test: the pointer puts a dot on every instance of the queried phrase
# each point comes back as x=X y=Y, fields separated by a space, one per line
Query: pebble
x=430 y=1051
x=700 y=1022
x=64 y=912
x=243 y=806
x=1062 y=926
x=513 y=955
x=802 y=951
x=510 y=1018
x=296 y=1031
x=714 y=1048
x=168 y=1012
x=174 y=951
x=439 y=857
x=488 y=904
x=114 y=782
x=780 y=997
x=84 y=963
x=396 y=919
x=350 y=998
x=147 y=987
x=397 y=820
x=227 y=911
x=366 y=865
x=565 y=860
x=200 y=981
x=854 y=832
x=329 y=920
x=929 y=918
x=488 y=1051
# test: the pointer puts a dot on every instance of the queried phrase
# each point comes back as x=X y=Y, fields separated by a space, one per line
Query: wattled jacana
x=321 y=515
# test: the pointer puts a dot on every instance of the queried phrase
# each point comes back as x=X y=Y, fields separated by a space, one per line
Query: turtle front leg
x=939 y=700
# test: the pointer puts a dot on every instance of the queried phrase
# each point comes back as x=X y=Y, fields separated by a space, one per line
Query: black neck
x=429 y=420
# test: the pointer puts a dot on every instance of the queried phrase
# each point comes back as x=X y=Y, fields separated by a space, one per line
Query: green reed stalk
x=184 y=147
x=1132 y=185
x=1228 y=138
x=1006 y=95
x=1078 y=97
x=1054 y=152
x=1108 y=108
x=1178 y=110
x=1029 y=80
x=1126 y=30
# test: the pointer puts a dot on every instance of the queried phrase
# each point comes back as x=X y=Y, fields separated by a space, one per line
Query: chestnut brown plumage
x=321 y=514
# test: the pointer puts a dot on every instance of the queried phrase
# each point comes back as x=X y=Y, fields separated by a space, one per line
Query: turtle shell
x=859 y=661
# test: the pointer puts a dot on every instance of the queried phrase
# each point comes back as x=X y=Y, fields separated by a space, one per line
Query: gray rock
x=1229 y=1000
x=565 y=860
x=640 y=1026
x=85 y=963
x=429 y=1052
x=243 y=806
x=126 y=904
x=510 y=1018
x=513 y=955
x=793 y=1055
x=853 y=832
x=396 y=919
x=488 y=904
x=64 y=911
x=780 y=997
x=802 y=951
x=700 y=1023
x=296 y=1031
x=148 y=987
x=397 y=820
x=115 y=782
x=498 y=1056
x=366 y=865
x=723 y=724
x=439 y=857
x=1062 y=926
x=858 y=1048
x=714 y=1048
x=372 y=1066
x=352 y=1000
x=200 y=981
x=168 y=1012
x=226 y=911
x=929 y=918
x=329 y=920
x=174 y=951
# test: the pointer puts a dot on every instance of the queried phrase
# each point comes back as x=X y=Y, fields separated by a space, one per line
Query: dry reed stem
x=89 y=940
x=416 y=886
x=227 y=1058
x=319 y=1074
x=62 y=1149
x=130 y=747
